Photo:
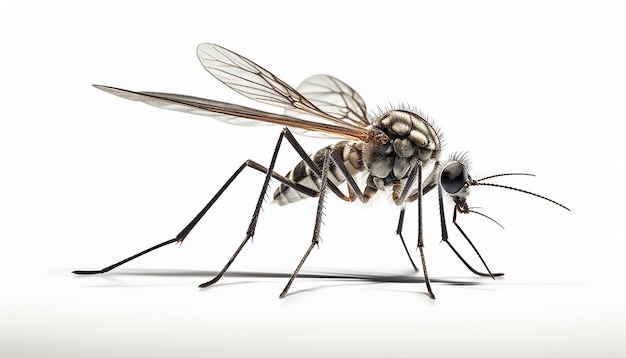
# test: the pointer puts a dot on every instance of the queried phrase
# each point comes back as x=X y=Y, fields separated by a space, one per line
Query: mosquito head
x=455 y=180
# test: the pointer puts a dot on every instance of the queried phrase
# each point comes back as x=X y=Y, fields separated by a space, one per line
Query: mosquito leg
x=255 y=215
x=416 y=174
x=318 y=221
x=420 y=235
x=399 y=233
x=180 y=237
x=475 y=249
x=183 y=234
x=444 y=237
x=111 y=267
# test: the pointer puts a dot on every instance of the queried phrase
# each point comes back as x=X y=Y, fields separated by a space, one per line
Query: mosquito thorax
x=411 y=139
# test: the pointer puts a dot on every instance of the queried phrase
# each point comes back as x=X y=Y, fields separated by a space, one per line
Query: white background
x=88 y=179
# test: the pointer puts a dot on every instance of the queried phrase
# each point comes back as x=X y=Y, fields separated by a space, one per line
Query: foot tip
x=82 y=272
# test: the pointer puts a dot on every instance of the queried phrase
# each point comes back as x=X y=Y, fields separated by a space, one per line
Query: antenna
x=520 y=190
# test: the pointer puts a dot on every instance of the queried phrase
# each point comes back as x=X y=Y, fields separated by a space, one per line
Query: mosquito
x=392 y=150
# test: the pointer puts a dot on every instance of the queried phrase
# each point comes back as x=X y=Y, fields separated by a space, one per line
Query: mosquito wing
x=334 y=97
x=184 y=103
x=228 y=111
x=253 y=81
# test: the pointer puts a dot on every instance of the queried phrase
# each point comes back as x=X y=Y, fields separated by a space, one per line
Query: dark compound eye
x=453 y=177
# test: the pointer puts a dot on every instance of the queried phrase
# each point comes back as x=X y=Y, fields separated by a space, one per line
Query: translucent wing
x=228 y=111
x=181 y=98
x=230 y=119
x=334 y=97
x=253 y=81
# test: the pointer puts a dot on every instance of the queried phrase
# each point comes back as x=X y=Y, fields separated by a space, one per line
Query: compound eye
x=453 y=177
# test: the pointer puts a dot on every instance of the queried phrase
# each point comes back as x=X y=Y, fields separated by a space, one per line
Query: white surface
x=89 y=179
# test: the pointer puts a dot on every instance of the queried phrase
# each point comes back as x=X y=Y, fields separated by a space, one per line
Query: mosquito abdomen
x=349 y=152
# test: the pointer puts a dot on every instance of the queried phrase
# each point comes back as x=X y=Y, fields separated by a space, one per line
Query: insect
x=391 y=149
